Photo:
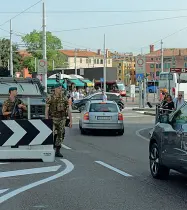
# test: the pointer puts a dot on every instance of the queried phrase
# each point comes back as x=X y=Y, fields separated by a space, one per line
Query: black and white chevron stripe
x=26 y=132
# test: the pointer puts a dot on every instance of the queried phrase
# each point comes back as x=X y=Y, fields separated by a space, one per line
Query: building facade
x=77 y=59
x=125 y=70
x=173 y=58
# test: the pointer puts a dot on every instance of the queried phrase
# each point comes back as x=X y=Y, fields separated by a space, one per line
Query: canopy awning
x=88 y=82
x=77 y=82
x=53 y=82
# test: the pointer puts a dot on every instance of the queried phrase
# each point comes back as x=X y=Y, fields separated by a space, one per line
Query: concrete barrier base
x=45 y=153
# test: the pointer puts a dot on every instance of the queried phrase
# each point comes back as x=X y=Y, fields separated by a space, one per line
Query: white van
x=170 y=81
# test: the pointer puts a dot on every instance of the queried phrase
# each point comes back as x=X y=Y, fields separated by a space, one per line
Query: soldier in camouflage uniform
x=10 y=103
x=57 y=108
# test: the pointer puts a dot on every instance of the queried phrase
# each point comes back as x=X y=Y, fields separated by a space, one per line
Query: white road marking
x=68 y=169
x=65 y=147
x=141 y=112
x=4 y=190
x=29 y=171
x=113 y=169
x=3 y=163
x=143 y=137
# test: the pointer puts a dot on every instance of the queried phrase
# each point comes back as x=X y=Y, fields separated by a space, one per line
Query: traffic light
x=58 y=77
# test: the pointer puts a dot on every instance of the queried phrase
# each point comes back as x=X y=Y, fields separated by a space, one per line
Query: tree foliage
x=5 y=55
x=34 y=42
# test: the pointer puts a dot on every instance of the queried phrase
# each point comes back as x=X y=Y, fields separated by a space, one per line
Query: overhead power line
x=119 y=24
x=21 y=13
x=97 y=11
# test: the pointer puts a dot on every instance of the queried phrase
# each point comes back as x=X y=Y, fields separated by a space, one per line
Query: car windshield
x=103 y=107
x=23 y=88
x=180 y=116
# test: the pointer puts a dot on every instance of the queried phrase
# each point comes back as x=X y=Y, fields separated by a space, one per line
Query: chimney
x=180 y=53
x=152 y=48
x=99 y=52
x=107 y=53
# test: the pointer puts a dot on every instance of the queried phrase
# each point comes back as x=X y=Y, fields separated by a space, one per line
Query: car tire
x=158 y=171
x=120 y=132
x=83 y=131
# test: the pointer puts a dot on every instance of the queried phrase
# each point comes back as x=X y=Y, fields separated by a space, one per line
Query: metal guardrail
x=161 y=111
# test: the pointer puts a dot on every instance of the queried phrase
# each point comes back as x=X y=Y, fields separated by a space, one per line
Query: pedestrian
x=168 y=105
x=57 y=107
x=179 y=101
x=13 y=107
x=104 y=96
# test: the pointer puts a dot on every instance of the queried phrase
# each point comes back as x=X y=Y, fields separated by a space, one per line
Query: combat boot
x=58 y=154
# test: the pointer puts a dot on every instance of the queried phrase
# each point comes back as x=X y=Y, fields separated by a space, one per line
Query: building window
x=119 y=64
x=185 y=65
x=157 y=66
x=101 y=61
x=80 y=60
x=90 y=61
x=119 y=71
x=108 y=61
x=185 y=58
x=86 y=60
x=97 y=61
x=152 y=59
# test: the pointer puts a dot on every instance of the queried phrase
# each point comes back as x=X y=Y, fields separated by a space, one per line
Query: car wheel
x=120 y=132
x=158 y=171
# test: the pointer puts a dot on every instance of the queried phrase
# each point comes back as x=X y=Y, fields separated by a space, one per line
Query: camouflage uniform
x=8 y=106
x=58 y=108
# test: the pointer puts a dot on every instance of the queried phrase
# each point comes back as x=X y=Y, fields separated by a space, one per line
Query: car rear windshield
x=103 y=107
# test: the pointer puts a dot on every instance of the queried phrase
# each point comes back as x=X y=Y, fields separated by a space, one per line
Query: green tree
x=33 y=42
x=5 y=55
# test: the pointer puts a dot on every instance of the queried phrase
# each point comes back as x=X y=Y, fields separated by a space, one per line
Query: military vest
x=57 y=107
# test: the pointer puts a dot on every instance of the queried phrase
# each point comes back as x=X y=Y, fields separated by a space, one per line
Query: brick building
x=173 y=58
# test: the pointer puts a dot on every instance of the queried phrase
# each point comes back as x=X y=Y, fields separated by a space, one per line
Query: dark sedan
x=168 y=144
x=78 y=104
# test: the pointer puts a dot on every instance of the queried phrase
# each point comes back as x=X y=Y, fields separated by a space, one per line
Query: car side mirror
x=164 y=118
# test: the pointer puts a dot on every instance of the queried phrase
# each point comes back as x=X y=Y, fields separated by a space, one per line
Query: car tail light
x=120 y=116
x=86 y=116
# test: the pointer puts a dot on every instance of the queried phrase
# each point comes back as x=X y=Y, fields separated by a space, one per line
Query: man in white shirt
x=104 y=96
x=179 y=101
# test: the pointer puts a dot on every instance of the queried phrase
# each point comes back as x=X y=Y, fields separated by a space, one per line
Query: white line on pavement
x=139 y=135
x=113 y=169
x=4 y=190
x=3 y=163
x=29 y=171
x=65 y=147
x=68 y=169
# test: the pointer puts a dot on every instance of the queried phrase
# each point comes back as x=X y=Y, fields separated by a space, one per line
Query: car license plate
x=103 y=118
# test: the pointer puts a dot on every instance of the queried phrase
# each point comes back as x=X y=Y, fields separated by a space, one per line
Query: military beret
x=57 y=85
x=12 y=88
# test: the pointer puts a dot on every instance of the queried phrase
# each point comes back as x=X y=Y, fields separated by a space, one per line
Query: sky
x=125 y=36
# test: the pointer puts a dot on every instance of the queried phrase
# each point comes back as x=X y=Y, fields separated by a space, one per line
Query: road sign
x=140 y=64
x=139 y=77
x=178 y=70
x=42 y=66
x=101 y=79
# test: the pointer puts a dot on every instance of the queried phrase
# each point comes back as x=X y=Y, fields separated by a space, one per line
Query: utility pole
x=35 y=64
x=44 y=44
x=104 y=69
x=11 y=52
x=162 y=57
x=75 y=61
x=53 y=65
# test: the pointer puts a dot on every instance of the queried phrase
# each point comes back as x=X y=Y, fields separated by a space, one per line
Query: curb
x=149 y=113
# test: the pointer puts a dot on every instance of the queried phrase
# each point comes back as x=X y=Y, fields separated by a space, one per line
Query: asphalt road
x=98 y=172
